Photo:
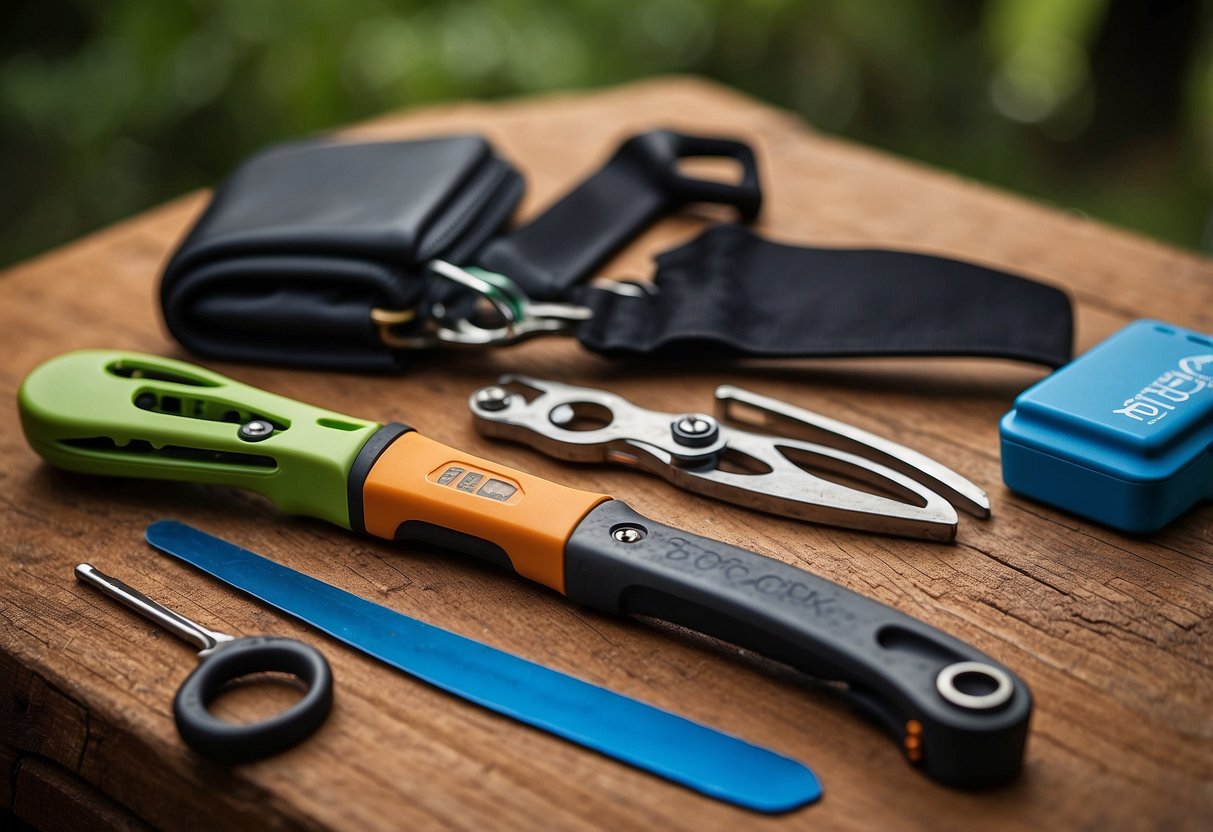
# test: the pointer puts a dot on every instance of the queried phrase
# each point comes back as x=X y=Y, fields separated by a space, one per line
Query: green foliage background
x=1102 y=106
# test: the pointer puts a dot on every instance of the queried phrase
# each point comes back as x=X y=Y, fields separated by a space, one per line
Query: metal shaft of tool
x=179 y=625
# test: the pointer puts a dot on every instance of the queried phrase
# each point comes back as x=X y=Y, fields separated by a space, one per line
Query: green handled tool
x=957 y=713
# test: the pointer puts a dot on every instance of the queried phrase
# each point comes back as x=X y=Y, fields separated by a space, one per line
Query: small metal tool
x=911 y=494
x=226 y=658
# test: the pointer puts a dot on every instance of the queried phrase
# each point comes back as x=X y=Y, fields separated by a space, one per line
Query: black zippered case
x=304 y=239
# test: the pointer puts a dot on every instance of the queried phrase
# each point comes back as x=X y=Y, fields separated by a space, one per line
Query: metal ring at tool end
x=945 y=683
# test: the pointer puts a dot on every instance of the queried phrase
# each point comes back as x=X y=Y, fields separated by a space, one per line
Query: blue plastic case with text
x=1123 y=434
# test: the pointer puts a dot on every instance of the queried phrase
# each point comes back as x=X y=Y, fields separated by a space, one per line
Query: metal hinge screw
x=256 y=430
x=628 y=534
x=492 y=398
x=695 y=430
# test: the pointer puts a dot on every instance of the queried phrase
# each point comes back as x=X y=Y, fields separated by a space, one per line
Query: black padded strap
x=730 y=293
x=638 y=185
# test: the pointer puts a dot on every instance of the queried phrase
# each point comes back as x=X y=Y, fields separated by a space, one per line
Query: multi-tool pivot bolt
x=256 y=430
x=493 y=398
x=695 y=430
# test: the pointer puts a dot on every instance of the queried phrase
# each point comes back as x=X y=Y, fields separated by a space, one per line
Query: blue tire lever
x=710 y=762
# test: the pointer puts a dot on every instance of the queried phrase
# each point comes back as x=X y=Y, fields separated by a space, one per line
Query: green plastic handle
x=135 y=415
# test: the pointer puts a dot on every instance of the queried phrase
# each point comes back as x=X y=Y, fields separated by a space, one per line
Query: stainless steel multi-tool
x=823 y=471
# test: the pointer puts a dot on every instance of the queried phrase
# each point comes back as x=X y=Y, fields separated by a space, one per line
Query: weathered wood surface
x=1112 y=633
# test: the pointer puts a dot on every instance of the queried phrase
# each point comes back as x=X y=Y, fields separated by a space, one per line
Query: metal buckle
x=386 y=319
x=520 y=318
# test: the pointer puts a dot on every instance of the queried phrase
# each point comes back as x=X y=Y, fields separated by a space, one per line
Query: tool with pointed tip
x=224 y=659
x=956 y=712
x=771 y=473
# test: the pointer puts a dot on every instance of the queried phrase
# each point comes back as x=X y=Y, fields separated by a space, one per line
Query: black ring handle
x=230 y=742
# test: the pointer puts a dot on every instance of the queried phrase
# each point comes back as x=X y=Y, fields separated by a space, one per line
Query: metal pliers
x=906 y=492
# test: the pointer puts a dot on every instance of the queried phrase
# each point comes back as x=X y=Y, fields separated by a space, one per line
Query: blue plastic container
x=1123 y=434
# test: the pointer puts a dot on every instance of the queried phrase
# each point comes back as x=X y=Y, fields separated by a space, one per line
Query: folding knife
x=957 y=713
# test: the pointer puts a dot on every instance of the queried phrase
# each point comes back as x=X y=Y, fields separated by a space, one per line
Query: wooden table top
x=1112 y=633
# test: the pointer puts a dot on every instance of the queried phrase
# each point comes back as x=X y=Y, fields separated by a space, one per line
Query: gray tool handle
x=958 y=713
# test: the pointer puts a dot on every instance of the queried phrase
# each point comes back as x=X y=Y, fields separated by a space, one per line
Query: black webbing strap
x=639 y=184
x=730 y=293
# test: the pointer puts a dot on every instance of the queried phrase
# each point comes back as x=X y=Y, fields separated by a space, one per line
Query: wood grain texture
x=1112 y=633
x=59 y=800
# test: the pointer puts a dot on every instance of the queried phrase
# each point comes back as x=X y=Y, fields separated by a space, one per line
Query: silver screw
x=492 y=398
x=695 y=430
x=628 y=534
x=695 y=425
x=256 y=430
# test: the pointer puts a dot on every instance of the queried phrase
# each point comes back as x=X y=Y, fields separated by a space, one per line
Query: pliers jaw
x=844 y=477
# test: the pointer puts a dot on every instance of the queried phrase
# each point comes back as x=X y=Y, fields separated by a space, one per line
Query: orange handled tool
x=417 y=488
x=957 y=713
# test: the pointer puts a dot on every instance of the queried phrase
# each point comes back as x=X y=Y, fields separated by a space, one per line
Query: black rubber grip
x=891 y=664
x=361 y=469
x=231 y=742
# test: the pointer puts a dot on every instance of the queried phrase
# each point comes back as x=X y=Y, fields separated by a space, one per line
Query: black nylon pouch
x=304 y=239
x=730 y=294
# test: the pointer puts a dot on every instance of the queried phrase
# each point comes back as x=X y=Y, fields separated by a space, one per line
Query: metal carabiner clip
x=512 y=316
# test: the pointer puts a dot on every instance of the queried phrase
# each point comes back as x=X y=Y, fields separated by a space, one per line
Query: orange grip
x=530 y=518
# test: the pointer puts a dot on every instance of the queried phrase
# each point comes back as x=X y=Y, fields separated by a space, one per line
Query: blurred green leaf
x=106 y=109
